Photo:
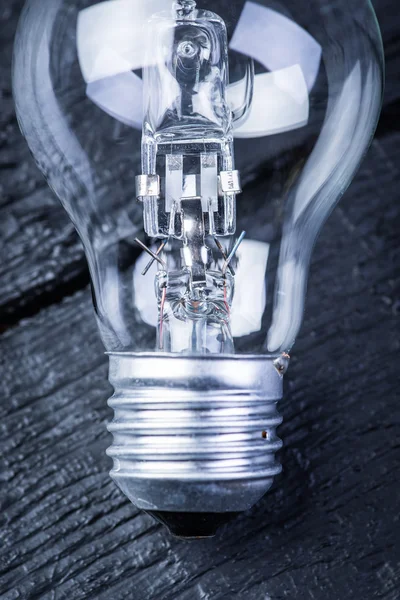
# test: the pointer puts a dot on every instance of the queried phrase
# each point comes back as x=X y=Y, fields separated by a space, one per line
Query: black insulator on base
x=192 y=525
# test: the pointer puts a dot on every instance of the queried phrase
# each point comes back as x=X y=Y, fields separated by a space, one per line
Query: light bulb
x=145 y=116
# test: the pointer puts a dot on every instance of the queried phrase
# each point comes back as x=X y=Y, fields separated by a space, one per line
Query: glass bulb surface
x=107 y=91
x=145 y=115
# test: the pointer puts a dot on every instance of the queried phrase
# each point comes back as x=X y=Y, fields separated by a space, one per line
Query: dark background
x=330 y=527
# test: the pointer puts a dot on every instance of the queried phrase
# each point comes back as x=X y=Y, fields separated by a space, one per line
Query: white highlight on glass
x=250 y=292
x=143 y=289
x=276 y=41
x=111 y=40
x=289 y=307
x=337 y=133
x=209 y=181
x=328 y=170
x=173 y=180
x=120 y=96
x=280 y=103
x=111 y=36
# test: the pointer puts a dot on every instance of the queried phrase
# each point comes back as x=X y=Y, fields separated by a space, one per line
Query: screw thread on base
x=194 y=435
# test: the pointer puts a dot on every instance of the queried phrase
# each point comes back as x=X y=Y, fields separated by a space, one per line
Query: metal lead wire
x=150 y=264
x=222 y=250
x=152 y=254
x=233 y=251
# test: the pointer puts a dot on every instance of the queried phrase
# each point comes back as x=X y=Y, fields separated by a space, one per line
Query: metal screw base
x=194 y=434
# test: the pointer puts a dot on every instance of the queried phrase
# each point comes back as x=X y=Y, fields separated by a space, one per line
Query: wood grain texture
x=330 y=527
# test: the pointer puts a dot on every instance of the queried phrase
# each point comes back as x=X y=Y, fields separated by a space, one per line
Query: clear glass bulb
x=145 y=116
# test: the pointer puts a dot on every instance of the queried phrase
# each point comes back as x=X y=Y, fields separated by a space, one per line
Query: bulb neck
x=194 y=435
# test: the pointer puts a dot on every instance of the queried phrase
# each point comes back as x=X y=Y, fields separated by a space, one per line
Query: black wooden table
x=330 y=527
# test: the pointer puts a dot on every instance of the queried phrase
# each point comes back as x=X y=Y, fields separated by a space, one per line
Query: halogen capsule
x=189 y=185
